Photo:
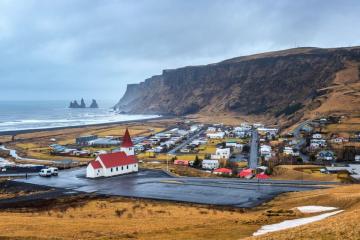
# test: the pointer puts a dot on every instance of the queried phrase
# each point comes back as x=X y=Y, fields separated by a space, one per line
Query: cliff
x=276 y=83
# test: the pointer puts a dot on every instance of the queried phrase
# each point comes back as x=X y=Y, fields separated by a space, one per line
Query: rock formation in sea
x=75 y=104
x=94 y=104
x=82 y=104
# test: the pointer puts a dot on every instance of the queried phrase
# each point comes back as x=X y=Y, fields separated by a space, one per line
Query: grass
x=35 y=145
x=341 y=226
x=302 y=172
x=125 y=219
x=120 y=218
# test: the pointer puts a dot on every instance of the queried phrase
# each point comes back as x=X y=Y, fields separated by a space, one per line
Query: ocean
x=24 y=115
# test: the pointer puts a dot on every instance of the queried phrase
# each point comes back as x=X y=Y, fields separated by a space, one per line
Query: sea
x=25 y=115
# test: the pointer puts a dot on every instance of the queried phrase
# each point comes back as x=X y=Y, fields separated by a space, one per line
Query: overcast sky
x=90 y=48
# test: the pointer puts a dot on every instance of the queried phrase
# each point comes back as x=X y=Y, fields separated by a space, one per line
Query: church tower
x=127 y=145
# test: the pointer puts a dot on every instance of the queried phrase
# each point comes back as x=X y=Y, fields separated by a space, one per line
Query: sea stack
x=82 y=104
x=94 y=104
x=75 y=104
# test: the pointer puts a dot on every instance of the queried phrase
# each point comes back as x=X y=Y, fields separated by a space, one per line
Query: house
x=262 y=175
x=223 y=171
x=221 y=153
x=211 y=129
x=246 y=173
x=216 y=135
x=112 y=164
x=268 y=131
x=258 y=125
x=338 y=140
x=233 y=144
x=265 y=150
x=318 y=142
x=84 y=140
x=326 y=155
x=181 y=162
x=317 y=136
x=288 y=151
x=210 y=164
x=357 y=158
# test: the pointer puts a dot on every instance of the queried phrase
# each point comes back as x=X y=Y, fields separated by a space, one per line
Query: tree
x=312 y=158
x=197 y=162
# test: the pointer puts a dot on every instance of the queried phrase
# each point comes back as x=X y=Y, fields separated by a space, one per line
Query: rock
x=74 y=104
x=82 y=104
x=94 y=104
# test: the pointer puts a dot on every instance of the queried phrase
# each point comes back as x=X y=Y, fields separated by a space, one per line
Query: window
x=127 y=166
x=117 y=169
x=111 y=169
x=122 y=168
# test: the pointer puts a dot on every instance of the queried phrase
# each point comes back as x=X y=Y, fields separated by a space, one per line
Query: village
x=196 y=149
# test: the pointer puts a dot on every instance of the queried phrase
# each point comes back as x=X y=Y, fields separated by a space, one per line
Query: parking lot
x=155 y=184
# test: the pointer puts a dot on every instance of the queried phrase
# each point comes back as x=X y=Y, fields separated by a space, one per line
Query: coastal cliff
x=276 y=83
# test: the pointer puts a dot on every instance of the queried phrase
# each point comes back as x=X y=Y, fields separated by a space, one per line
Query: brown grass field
x=120 y=218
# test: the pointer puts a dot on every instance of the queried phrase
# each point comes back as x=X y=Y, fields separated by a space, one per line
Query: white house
x=221 y=153
x=210 y=164
x=288 y=151
x=216 y=135
x=317 y=136
x=117 y=163
x=265 y=150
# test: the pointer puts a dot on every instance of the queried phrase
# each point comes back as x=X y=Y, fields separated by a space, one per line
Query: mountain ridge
x=280 y=84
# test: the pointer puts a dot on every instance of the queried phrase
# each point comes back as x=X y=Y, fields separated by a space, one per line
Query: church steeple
x=127 y=145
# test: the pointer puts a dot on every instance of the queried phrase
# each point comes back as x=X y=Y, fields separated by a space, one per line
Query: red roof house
x=262 y=175
x=245 y=173
x=181 y=162
x=223 y=171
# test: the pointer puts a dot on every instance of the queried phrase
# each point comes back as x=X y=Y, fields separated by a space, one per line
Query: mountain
x=288 y=83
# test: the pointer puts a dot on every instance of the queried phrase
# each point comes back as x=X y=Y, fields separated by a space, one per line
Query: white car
x=45 y=172
x=54 y=171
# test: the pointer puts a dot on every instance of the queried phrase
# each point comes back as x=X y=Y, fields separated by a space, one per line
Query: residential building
x=225 y=171
x=210 y=164
x=221 y=153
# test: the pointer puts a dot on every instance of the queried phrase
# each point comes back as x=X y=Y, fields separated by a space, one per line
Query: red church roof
x=126 y=141
x=95 y=164
x=117 y=159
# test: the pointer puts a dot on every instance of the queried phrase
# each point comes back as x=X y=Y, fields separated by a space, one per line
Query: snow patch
x=314 y=209
x=293 y=223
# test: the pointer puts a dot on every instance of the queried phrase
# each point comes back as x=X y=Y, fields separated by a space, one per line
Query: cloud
x=64 y=49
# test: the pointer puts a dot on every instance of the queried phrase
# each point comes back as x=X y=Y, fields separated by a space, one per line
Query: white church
x=112 y=164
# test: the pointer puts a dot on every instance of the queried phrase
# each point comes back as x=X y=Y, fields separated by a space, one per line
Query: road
x=189 y=140
x=154 y=184
x=301 y=140
x=254 y=150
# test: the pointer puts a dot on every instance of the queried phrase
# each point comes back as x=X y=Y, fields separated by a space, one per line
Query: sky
x=68 y=49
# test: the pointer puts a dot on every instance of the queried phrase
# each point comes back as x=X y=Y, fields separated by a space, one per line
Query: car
x=45 y=172
x=54 y=171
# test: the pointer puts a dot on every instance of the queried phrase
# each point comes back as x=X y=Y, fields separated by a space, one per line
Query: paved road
x=189 y=140
x=301 y=140
x=254 y=150
x=158 y=185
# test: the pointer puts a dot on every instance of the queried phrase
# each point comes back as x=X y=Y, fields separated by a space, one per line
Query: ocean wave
x=78 y=120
